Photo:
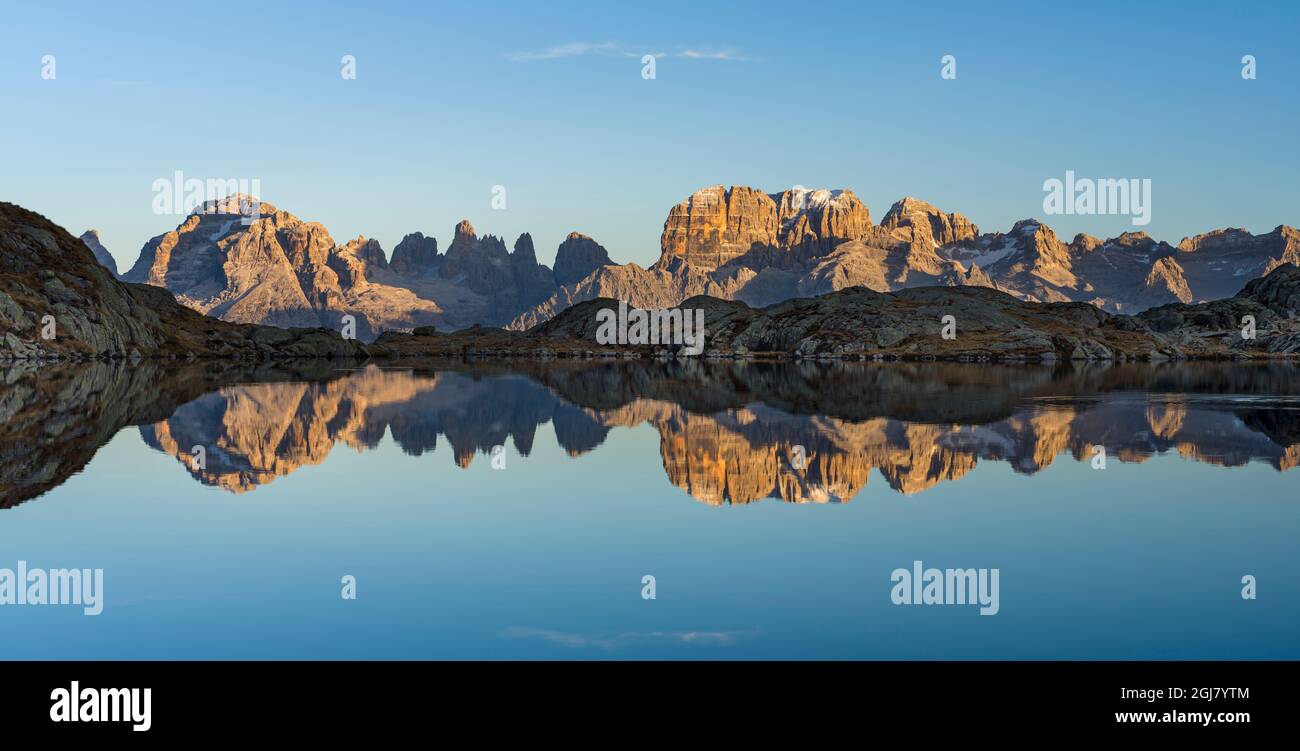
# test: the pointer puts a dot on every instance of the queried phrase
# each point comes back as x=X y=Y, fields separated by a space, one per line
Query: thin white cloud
x=572 y=49
x=707 y=54
x=612 y=49
x=612 y=641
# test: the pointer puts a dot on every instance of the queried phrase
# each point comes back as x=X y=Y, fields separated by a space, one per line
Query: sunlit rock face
x=742 y=243
x=274 y=270
x=920 y=222
x=271 y=267
x=717 y=225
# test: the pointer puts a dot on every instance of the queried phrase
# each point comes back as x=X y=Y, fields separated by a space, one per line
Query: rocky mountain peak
x=466 y=244
x=716 y=225
x=480 y=263
x=524 y=251
x=533 y=282
x=1218 y=237
x=907 y=205
x=1134 y=240
x=273 y=270
x=577 y=257
x=91 y=238
x=1026 y=227
x=927 y=223
x=416 y=255
x=368 y=250
x=1046 y=245
x=1033 y=258
x=1165 y=283
x=799 y=202
x=1084 y=243
x=235 y=203
x=353 y=263
x=822 y=218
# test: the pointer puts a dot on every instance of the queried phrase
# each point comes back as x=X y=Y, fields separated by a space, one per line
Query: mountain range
x=58 y=302
x=736 y=243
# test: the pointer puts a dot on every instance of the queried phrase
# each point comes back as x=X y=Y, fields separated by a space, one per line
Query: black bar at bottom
x=216 y=700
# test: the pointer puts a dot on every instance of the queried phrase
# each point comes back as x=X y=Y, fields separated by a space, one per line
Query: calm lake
x=516 y=511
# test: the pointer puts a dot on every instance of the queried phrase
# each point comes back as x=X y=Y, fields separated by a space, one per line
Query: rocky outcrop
x=1279 y=291
x=57 y=302
x=858 y=322
x=852 y=264
x=912 y=232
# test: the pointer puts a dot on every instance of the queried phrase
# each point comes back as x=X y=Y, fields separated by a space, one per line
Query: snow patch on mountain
x=803 y=200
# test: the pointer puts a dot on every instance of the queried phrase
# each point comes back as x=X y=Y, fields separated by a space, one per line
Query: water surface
x=770 y=502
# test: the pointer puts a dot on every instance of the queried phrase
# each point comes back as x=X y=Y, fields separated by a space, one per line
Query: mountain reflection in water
x=728 y=432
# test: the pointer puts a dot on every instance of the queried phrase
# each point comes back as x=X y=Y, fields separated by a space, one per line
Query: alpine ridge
x=734 y=243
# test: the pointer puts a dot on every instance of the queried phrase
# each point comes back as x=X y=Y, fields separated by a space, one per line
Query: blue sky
x=547 y=99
